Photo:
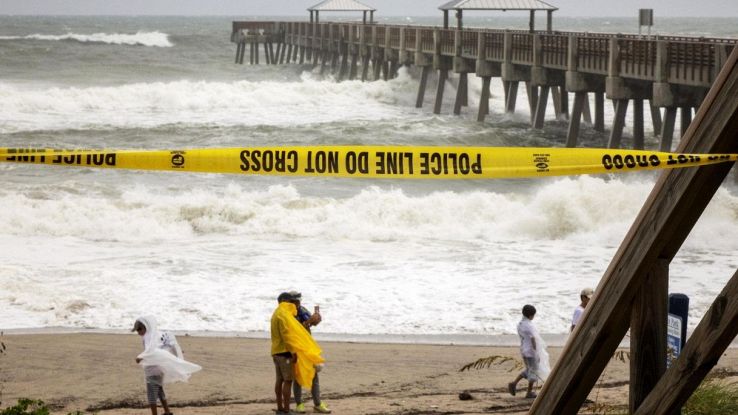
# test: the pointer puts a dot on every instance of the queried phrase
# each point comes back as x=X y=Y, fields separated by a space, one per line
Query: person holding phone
x=308 y=320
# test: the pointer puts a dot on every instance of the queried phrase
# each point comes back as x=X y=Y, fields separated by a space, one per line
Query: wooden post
x=586 y=112
x=251 y=53
x=667 y=128
x=549 y=20
x=709 y=341
x=484 y=99
x=564 y=97
x=532 y=99
x=638 y=124
x=668 y=215
x=421 y=88
x=648 y=332
x=512 y=96
x=541 y=107
x=686 y=118
x=460 y=92
x=532 y=22
x=621 y=107
x=442 y=76
x=576 y=117
x=556 y=98
x=599 y=121
x=655 y=118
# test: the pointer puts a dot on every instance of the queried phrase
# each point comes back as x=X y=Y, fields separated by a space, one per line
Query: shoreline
x=494 y=340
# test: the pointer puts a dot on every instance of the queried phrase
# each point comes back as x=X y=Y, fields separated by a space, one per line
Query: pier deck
x=671 y=72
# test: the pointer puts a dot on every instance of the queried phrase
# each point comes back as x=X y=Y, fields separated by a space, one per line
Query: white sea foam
x=146 y=105
x=155 y=39
x=81 y=254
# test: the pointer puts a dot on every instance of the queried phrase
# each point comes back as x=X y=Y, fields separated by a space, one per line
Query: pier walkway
x=670 y=72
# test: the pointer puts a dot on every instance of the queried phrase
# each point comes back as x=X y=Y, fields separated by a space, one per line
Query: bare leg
x=153 y=409
x=165 y=405
x=278 y=393
x=286 y=392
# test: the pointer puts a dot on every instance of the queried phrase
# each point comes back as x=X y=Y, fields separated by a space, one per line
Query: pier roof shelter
x=503 y=5
x=341 y=6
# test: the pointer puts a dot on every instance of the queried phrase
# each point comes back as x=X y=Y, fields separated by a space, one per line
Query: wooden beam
x=668 y=215
x=648 y=333
x=421 y=88
x=616 y=134
x=540 y=114
x=484 y=99
x=442 y=76
x=667 y=128
x=638 y=135
x=709 y=340
x=576 y=117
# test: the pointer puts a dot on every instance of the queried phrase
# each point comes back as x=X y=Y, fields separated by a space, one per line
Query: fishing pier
x=669 y=72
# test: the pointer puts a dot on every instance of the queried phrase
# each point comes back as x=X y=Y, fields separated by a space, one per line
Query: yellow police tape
x=373 y=161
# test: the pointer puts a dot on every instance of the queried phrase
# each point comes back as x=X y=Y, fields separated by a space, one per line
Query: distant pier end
x=668 y=72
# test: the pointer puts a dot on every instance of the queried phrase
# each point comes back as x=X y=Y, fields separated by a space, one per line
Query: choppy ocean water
x=96 y=248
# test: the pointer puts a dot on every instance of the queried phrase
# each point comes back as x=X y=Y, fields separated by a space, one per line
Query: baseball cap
x=285 y=296
x=587 y=292
x=294 y=295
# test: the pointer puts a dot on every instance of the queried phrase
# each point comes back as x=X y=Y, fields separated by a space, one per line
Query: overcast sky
x=708 y=8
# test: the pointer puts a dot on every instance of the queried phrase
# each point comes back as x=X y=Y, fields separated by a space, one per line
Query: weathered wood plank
x=712 y=336
x=648 y=333
x=668 y=215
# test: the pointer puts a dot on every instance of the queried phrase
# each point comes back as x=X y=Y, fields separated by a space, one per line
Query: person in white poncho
x=162 y=361
x=533 y=351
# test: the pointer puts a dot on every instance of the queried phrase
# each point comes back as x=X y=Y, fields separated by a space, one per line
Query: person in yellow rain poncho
x=294 y=352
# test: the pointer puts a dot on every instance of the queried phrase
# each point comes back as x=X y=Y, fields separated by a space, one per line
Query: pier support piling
x=460 y=93
x=484 y=99
x=576 y=116
x=511 y=95
x=442 y=77
x=541 y=107
x=618 y=123
x=599 y=119
x=667 y=128
x=421 y=88
x=638 y=136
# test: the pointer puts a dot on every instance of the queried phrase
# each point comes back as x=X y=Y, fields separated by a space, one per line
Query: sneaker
x=322 y=408
x=531 y=395
x=300 y=408
x=511 y=388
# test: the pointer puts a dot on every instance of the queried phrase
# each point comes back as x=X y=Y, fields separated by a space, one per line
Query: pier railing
x=684 y=60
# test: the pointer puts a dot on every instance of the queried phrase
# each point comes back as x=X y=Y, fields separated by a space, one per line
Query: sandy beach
x=96 y=373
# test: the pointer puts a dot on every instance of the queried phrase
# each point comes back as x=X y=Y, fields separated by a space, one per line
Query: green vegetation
x=27 y=407
x=713 y=397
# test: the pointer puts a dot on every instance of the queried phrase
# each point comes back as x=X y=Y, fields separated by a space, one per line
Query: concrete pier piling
x=672 y=72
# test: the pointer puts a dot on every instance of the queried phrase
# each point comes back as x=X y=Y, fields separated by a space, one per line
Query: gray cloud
x=239 y=8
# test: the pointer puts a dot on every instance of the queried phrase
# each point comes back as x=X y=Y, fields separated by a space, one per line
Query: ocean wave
x=153 y=39
x=308 y=100
x=589 y=209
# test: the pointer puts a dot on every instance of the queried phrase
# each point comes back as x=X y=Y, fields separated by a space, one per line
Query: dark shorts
x=531 y=368
x=154 y=389
x=285 y=367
